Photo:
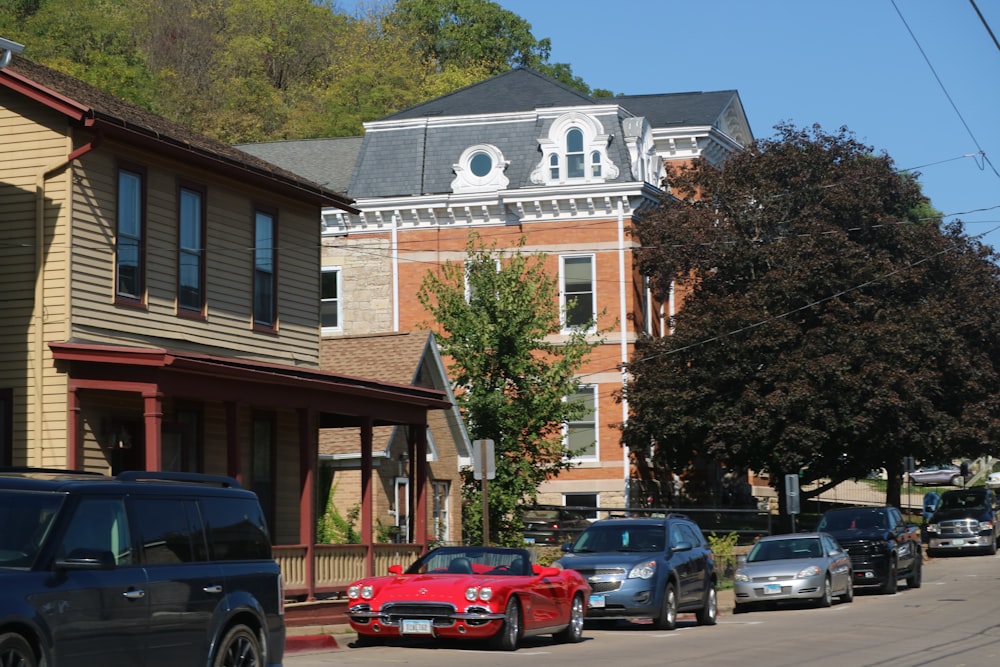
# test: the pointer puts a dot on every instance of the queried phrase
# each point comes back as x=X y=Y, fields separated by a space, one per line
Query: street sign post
x=484 y=459
x=792 y=496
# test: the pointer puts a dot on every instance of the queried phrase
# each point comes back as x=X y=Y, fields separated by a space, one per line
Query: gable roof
x=88 y=106
x=520 y=89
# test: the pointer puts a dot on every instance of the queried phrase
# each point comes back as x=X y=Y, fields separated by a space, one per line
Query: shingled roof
x=90 y=106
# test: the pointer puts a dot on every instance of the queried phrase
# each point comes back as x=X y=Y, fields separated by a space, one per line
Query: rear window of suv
x=25 y=520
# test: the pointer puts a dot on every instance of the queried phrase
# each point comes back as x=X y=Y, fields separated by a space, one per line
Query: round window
x=481 y=164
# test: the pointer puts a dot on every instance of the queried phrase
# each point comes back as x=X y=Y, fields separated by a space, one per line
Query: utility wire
x=985 y=24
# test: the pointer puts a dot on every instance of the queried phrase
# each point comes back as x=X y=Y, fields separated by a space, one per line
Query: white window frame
x=465 y=277
x=441 y=502
x=564 y=299
x=337 y=300
x=466 y=180
x=553 y=168
x=594 y=420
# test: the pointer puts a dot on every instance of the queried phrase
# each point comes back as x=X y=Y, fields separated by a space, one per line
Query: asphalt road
x=953 y=620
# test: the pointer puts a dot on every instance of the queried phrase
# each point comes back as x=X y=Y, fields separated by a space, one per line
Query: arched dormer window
x=574 y=149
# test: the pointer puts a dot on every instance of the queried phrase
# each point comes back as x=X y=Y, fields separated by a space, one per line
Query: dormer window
x=480 y=169
x=575 y=149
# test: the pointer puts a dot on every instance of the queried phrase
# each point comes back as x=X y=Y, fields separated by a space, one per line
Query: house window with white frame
x=470 y=266
x=581 y=433
x=574 y=147
x=574 y=153
x=440 y=491
x=330 y=299
x=577 y=291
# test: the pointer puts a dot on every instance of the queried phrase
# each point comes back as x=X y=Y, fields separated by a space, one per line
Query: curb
x=304 y=643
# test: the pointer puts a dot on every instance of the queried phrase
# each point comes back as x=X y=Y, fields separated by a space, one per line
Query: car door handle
x=134 y=594
x=215 y=589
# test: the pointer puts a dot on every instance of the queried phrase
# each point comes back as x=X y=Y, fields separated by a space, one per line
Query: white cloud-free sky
x=918 y=79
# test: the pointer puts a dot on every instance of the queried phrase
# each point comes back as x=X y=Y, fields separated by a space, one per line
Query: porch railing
x=335 y=566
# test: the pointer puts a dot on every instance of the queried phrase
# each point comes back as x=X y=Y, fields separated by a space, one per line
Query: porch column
x=74 y=457
x=367 y=499
x=420 y=486
x=308 y=454
x=153 y=416
x=234 y=462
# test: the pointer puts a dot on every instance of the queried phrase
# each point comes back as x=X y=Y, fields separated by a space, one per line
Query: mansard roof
x=677 y=109
x=520 y=89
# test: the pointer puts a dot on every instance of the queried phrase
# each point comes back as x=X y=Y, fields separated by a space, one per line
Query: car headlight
x=485 y=593
x=985 y=525
x=933 y=528
x=741 y=576
x=367 y=591
x=643 y=570
x=810 y=571
x=353 y=591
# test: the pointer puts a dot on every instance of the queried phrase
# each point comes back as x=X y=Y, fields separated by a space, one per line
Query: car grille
x=959 y=528
x=855 y=549
x=767 y=580
x=439 y=613
x=610 y=578
x=605 y=586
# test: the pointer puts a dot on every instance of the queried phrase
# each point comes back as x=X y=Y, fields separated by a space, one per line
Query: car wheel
x=709 y=612
x=573 y=632
x=15 y=651
x=510 y=633
x=667 y=618
x=892 y=579
x=239 y=648
x=991 y=550
x=826 y=599
x=957 y=480
x=915 y=580
x=848 y=595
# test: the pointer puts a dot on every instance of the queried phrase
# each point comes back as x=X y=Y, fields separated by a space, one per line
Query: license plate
x=771 y=589
x=597 y=601
x=958 y=543
x=529 y=540
x=416 y=627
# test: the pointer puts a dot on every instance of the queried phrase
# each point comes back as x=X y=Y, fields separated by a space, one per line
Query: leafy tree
x=833 y=325
x=510 y=381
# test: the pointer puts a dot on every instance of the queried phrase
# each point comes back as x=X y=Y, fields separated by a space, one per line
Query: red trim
x=43 y=95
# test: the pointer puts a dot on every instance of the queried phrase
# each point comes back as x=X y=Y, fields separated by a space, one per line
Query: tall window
x=440 y=491
x=581 y=434
x=190 y=250
x=264 y=270
x=129 y=247
x=582 y=500
x=329 y=312
x=262 y=461
x=574 y=154
x=6 y=426
x=578 y=301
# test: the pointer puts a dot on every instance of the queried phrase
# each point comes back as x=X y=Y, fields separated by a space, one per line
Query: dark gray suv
x=646 y=568
x=140 y=569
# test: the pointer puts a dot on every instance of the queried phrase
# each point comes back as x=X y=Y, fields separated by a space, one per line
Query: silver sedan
x=797 y=566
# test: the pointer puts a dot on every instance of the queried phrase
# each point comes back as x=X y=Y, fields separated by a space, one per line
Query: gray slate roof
x=676 y=109
x=329 y=162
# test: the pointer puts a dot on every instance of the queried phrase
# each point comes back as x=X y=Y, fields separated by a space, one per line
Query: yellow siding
x=227 y=328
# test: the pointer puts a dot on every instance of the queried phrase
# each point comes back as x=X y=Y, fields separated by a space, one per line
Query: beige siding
x=33 y=145
x=227 y=329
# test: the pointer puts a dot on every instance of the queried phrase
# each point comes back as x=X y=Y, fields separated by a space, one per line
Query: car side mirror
x=395 y=569
x=683 y=546
x=566 y=547
x=541 y=571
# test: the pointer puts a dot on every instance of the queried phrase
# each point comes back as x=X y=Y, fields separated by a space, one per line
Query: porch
x=334 y=566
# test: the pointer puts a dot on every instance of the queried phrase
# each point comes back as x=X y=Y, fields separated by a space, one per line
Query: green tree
x=833 y=323
x=495 y=311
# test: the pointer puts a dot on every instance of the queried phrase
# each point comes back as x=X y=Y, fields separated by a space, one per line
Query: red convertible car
x=493 y=593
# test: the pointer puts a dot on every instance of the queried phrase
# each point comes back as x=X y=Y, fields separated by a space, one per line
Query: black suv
x=646 y=568
x=140 y=569
x=966 y=520
x=882 y=546
x=551 y=524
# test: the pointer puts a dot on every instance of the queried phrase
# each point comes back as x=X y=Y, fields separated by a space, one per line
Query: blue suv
x=646 y=568
x=146 y=568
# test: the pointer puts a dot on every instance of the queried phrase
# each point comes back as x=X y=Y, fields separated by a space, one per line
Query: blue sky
x=832 y=62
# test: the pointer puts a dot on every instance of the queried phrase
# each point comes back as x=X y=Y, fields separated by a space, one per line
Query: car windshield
x=25 y=520
x=855 y=519
x=621 y=538
x=952 y=501
x=473 y=560
x=799 y=547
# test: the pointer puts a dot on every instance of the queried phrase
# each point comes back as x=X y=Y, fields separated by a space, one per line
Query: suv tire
x=14 y=650
x=848 y=595
x=709 y=612
x=239 y=648
x=915 y=580
x=667 y=618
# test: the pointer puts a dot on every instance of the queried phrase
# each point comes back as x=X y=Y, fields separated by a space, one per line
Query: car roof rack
x=223 y=481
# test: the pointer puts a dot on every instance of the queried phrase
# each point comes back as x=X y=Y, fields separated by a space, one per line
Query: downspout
x=393 y=239
x=624 y=338
x=38 y=316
